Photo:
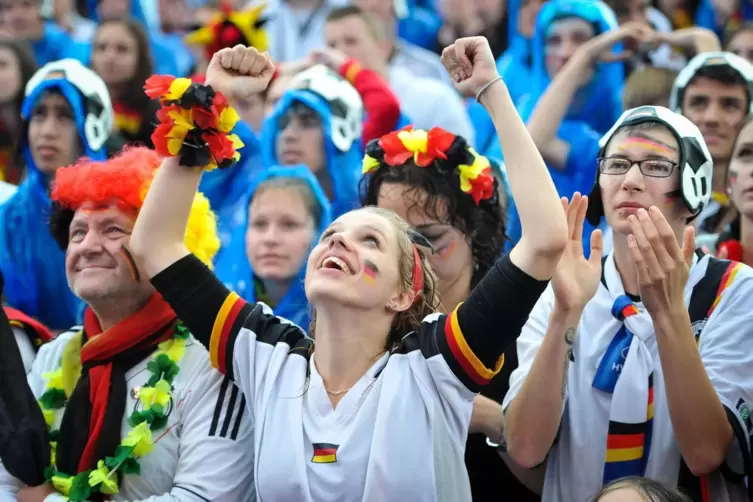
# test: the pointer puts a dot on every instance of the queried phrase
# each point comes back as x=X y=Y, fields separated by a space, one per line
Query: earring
x=391 y=306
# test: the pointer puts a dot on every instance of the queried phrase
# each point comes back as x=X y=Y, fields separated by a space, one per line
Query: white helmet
x=705 y=60
x=98 y=112
x=345 y=104
x=696 y=166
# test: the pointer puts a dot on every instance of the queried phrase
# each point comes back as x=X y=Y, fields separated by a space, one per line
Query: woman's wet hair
x=650 y=490
x=483 y=224
x=300 y=188
x=425 y=303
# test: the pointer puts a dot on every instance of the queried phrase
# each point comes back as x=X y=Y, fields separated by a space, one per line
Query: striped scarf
x=626 y=372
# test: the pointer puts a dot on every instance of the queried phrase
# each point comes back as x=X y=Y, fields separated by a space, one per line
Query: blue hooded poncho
x=344 y=168
x=31 y=260
x=56 y=44
x=235 y=269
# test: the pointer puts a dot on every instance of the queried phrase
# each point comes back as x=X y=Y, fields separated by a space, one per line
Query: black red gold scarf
x=100 y=395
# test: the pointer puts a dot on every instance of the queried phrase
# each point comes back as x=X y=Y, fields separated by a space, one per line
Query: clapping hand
x=470 y=63
x=240 y=72
x=633 y=35
x=576 y=278
x=662 y=266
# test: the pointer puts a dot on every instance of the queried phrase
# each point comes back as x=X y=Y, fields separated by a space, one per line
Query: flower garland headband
x=194 y=123
x=155 y=397
x=431 y=148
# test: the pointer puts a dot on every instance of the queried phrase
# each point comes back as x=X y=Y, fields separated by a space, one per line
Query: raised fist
x=240 y=72
x=470 y=63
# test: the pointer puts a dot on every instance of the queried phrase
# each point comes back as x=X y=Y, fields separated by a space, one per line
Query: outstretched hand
x=576 y=278
x=240 y=72
x=470 y=63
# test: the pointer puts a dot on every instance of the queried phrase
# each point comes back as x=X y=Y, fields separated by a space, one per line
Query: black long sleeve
x=494 y=314
x=195 y=294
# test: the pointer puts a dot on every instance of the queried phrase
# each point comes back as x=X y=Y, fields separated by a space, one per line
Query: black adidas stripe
x=228 y=411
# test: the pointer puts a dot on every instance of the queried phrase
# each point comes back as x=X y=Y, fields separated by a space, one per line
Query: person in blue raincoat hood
x=318 y=123
x=287 y=211
x=67 y=114
x=568 y=136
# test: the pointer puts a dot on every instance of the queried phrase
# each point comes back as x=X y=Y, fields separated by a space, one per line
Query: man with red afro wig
x=130 y=405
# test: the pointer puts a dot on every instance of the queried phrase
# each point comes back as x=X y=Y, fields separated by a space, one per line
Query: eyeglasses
x=655 y=168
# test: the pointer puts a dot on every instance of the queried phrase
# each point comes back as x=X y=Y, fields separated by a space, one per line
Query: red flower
x=203 y=118
x=482 y=187
x=159 y=138
x=395 y=152
x=163 y=114
x=439 y=142
x=220 y=146
x=158 y=85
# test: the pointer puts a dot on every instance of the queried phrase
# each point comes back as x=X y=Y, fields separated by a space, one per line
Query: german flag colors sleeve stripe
x=464 y=355
x=727 y=279
x=226 y=327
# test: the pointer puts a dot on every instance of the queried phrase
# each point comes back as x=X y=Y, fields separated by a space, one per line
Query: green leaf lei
x=155 y=396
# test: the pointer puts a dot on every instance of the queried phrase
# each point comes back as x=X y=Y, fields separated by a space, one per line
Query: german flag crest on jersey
x=324 y=453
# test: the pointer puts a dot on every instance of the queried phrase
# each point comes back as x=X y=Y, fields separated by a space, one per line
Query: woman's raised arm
x=473 y=69
x=157 y=240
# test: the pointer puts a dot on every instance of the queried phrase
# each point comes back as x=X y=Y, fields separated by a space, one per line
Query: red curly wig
x=122 y=179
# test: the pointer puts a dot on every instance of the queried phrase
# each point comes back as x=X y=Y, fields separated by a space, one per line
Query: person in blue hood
x=67 y=114
x=287 y=211
x=318 y=123
x=22 y=19
x=514 y=66
x=567 y=137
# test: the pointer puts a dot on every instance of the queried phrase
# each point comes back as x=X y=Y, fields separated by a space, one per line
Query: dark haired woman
x=384 y=397
x=17 y=65
x=466 y=231
x=121 y=56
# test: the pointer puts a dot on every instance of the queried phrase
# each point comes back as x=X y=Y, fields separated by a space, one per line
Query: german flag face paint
x=325 y=453
x=370 y=271
x=447 y=251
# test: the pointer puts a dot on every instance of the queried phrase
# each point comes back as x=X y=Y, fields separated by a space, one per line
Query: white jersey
x=203 y=454
x=576 y=461
x=398 y=434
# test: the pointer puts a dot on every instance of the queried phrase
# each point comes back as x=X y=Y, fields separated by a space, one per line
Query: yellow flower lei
x=154 y=397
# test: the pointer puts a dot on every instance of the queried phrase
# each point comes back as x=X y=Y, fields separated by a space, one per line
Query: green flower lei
x=155 y=396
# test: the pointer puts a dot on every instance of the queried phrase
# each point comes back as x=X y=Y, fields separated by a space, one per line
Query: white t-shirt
x=575 y=463
x=204 y=452
x=398 y=434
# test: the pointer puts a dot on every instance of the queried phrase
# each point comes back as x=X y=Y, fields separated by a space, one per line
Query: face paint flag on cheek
x=370 y=271
x=448 y=250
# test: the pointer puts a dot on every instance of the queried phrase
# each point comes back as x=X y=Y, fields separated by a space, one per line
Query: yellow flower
x=173 y=348
x=415 y=140
x=159 y=394
x=182 y=118
x=237 y=144
x=177 y=89
x=49 y=417
x=54 y=379
x=227 y=120
x=53 y=452
x=140 y=438
x=369 y=164
x=101 y=476
x=61 y=484
x=468 y=173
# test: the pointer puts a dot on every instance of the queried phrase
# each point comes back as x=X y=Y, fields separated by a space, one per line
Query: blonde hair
x=425 y=303
x=648 y=86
